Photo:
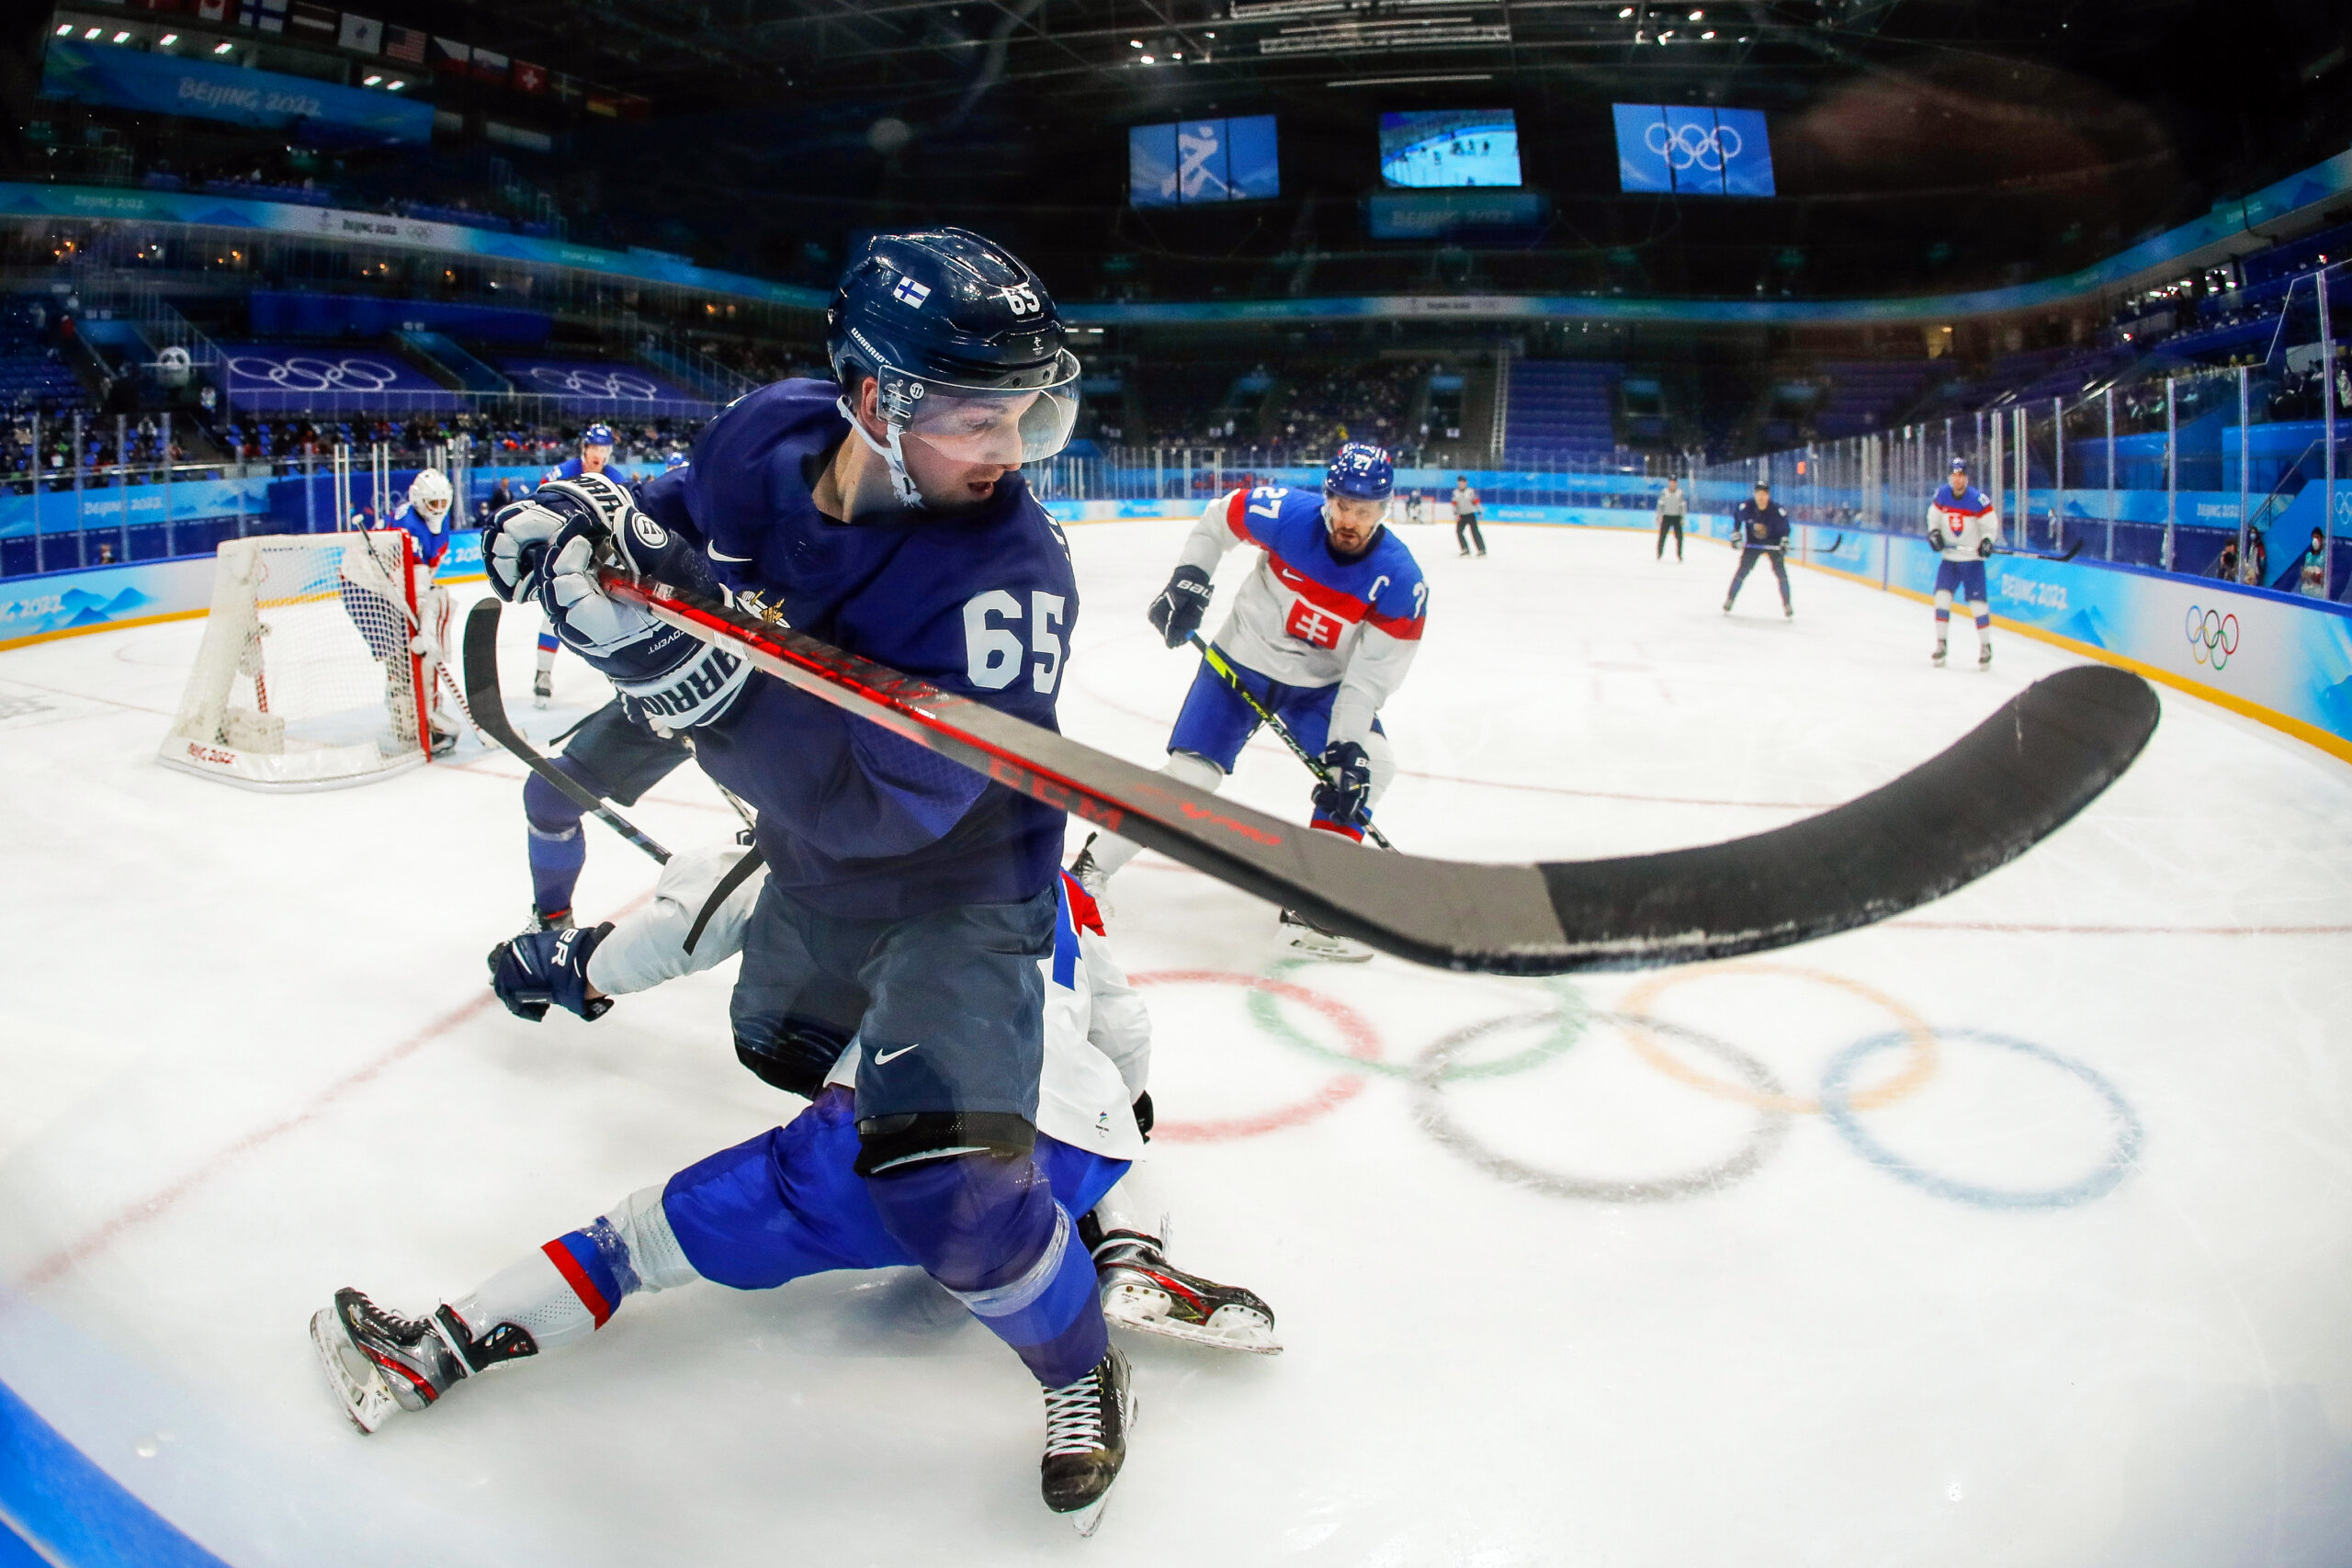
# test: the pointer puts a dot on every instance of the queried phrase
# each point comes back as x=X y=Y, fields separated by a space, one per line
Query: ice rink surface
x=2015 y=1231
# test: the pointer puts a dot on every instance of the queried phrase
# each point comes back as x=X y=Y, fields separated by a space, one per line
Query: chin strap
x=890 y=452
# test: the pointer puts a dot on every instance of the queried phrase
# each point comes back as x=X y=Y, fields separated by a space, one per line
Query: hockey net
x=305 y=678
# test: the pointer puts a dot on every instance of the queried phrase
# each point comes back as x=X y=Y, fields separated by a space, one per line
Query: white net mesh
x=305 y=680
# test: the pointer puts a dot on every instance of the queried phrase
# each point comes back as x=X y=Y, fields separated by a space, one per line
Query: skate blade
x=1250 y=1338
x=367 y=1400
x=1310 y=948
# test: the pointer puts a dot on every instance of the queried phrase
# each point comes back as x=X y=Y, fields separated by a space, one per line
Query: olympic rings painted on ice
x=1436 y=1118
x=1684 y=145
x=1363 y=1048
x=2128 y=1131
x=1635 y=1011
x=580 y=382
x=1570 y=1015
x=305 y=372
x=2213 y=637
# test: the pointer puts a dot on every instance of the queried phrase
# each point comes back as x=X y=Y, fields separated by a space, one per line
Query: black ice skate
x=1086 y=1440
x=380 y=1362
x=1939 y=660
x=1088 y=872
x=1141 y=1290
x=1983 y=656
x=542 y=689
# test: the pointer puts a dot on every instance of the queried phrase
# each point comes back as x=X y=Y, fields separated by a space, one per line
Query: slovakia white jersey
x=1098 y=1036
x=1306 y=618
x=1966 y=521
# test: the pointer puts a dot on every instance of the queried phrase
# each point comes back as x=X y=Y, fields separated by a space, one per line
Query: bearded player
x=1321 y=634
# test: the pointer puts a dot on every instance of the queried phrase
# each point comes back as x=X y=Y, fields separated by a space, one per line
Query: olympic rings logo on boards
x=303 y=373
x=595 y=383
x=1683 y=145
x=2213 y=637
x=1712 y=1066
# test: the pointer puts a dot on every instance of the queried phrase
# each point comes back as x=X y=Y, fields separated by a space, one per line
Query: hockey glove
x=1176 y=614
x=664 y=675
x=514 y=545
x=1345 y=798
x=1936 y=541
x=540 y=967
x=1984 y=549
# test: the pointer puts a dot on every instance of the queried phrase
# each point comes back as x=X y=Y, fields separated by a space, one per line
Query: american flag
x=405 y=43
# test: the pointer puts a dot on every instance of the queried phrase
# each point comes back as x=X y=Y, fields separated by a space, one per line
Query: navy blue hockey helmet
x=1361 y=472
x=964 y=347
x=596 y=435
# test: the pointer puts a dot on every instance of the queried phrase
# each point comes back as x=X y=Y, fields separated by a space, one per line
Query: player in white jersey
x=788 y=1203
x=1322 y=632
x=1966 y=529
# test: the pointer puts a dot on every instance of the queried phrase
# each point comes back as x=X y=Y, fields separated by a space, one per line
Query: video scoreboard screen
x=1450 y=147
x=1203 y=160
x=1672 y=149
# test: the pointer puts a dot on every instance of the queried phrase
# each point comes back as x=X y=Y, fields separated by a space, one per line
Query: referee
x=1763 y=532
x=1672 y=507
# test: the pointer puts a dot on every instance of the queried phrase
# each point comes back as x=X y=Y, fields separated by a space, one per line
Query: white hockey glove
x=665 y=675
x=514 y=547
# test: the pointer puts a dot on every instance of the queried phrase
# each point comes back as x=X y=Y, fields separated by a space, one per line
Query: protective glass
x=974 y=425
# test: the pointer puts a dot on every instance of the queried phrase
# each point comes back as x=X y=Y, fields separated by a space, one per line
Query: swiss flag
x=530 y=78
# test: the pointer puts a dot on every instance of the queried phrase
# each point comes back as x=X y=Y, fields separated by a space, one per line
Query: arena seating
x=1560 y=409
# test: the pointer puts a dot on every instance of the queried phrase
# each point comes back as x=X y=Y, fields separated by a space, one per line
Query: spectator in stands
x=1465 y=517
x=1672 y=507
x=2256 y=568
x=2312 y=584
x=2227 y=567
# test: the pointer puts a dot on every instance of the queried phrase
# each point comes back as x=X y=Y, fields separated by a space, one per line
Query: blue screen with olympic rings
x=1679 y=150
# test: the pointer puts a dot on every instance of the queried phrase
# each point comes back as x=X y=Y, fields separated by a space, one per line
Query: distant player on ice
x=1763 y=530
x=1321 y=634
x=1963 y=528
x=596 y=453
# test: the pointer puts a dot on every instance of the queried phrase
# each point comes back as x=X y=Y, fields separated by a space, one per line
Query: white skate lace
x=1074 y=1416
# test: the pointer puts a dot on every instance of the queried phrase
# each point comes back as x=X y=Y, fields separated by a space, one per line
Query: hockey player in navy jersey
x=787 y=1202
x=596 y=453
x=908 y=898
x=1965 y=529
x=1763 y=530
x=1322 y=632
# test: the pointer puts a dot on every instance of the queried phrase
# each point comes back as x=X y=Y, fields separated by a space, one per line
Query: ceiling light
x=168 y=40
x=1665 y=35
x=1709 y=33
x=1135 y=43
x=1148 y=60
x=1178 y=55
x=371 y=81
x=123 y=37
x=394 y=88
x=1698 y=16
x=93 y=32
x=1211 y=35
x=64 y=28
x=223 y=46
x=1625 y=13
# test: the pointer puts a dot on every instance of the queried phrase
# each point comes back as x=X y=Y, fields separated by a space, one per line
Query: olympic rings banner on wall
x=277 y=378
x=593 y=387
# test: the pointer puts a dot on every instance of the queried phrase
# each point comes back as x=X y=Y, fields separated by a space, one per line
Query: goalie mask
x=965 y=349
x=429 y=496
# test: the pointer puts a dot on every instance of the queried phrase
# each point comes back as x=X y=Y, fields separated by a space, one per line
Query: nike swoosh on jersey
x=883 y=1058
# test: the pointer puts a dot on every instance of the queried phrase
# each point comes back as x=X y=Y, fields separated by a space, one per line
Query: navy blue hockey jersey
x=855 y=820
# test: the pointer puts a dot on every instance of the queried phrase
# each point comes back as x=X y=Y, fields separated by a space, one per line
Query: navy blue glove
x=1176 y=614
x=540 y=967
x=1346 y=799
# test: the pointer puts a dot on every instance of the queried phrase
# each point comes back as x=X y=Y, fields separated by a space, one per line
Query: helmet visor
x=978 y=424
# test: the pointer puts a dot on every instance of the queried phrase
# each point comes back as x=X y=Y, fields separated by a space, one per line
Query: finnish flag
x=911 y=291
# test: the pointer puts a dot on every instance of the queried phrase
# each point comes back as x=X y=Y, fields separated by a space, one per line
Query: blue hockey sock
x=558 y=848
x=988 y=1228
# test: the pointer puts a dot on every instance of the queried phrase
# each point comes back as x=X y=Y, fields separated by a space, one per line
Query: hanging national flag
x=605 y=104
x=530 y=78
x=448 y=54
x=490 y=67
x=211 y=10
x=405 y=43
x=364 y=35
x=315 y=20
x=269 y=16
x=635 y=107
x=568 y=88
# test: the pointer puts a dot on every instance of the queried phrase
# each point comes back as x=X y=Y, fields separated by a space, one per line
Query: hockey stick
x=1993 y=793
x=1232 y=678
x=487 y=707
x=2072 y=551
